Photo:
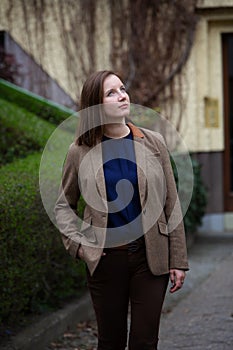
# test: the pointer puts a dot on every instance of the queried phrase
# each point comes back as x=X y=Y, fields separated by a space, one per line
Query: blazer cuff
x=73 y=250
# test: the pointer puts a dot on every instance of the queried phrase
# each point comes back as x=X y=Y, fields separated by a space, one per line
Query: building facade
x=210 y=108
x=207 y=121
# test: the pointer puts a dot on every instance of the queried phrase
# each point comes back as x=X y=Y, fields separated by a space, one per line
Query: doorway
x=227 y=50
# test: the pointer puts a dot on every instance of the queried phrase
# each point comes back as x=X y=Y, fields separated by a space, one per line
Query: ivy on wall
x=150 y=42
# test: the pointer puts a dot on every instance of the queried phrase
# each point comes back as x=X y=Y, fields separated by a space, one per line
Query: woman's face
x=115 y=98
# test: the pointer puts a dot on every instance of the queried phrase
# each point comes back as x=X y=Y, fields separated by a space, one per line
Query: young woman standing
x=127 y=245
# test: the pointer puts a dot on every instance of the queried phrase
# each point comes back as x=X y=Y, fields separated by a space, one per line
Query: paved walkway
x=203 y=320
x=199 y=317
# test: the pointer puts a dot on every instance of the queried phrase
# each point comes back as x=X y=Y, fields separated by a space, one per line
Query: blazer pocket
x=163 y=228
x=88 y=232
x=153 y=157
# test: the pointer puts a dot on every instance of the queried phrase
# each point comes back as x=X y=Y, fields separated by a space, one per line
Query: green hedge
x=36 y=273
x=38 y=105
x=197 y=207
x=22 y=132
x=196 y=210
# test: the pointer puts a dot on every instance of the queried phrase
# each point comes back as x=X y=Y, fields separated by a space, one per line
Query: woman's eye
x=111 y=92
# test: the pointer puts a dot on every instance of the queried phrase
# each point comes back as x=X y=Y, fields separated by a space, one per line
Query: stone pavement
x=203 y=320
x=198 y=317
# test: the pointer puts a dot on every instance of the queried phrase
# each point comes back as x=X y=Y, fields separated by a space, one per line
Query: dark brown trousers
x=119 y=279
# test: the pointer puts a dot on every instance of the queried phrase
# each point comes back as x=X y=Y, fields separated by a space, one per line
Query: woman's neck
x=116 y=130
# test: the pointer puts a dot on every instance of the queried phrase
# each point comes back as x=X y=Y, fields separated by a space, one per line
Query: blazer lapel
x=98 y=171
x=140 y=155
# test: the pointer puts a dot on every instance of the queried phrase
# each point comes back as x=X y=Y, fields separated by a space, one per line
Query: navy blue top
x=120 y=171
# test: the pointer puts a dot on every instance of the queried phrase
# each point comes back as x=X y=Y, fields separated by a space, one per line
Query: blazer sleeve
x=175 y=225
x=66 y=206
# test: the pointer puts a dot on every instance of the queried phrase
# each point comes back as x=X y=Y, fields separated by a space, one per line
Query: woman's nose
x=121 y=96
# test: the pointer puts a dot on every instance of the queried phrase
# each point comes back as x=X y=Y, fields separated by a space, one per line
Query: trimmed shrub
x=36 y=273
x=48 y=110
x=21 y=132
x=196 y=209
x=13 y=145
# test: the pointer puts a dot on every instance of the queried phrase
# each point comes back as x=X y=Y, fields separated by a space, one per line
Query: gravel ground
x=83 y=337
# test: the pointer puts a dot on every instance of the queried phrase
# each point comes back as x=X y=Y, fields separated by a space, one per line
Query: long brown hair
x=91 y=123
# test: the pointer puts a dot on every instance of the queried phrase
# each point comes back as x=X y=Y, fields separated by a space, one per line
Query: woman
x=128 y=238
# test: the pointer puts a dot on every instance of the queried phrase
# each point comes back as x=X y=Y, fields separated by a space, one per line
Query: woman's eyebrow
x=108 y=90
x=113 y=88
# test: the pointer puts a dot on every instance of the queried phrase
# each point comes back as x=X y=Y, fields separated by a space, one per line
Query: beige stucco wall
x=205 y=79
x=201 y=78
x=53 y=59
x=214 y=3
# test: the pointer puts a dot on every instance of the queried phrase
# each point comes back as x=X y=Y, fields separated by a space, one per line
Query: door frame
x=228 y=193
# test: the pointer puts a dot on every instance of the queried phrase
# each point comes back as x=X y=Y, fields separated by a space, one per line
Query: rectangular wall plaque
x=211 y=113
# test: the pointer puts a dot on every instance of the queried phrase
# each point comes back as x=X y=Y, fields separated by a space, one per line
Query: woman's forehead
x=112 y=81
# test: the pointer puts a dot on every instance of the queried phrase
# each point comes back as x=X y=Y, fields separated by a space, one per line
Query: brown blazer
x=161 y=214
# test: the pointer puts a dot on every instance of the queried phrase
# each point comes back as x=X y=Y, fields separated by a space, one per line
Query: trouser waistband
x=130 y=247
